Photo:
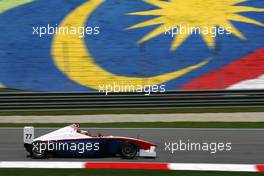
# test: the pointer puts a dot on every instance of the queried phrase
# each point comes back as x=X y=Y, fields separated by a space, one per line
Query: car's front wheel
x=128 y=150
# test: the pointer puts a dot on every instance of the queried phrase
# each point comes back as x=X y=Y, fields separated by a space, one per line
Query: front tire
x=128 y=150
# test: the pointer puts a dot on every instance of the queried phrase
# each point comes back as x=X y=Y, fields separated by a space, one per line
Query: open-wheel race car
x=70 y=141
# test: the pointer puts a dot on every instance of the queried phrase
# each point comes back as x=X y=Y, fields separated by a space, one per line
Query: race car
x=70 y=141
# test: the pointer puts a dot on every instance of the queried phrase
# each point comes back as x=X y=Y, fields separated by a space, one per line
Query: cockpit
x=84 y=132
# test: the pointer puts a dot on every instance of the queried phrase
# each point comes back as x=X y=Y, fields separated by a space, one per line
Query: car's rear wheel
x=128 y=150
x=39 y=150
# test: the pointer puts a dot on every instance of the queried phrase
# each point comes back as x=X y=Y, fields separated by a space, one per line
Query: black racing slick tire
x=39 y=150
x=128 y=150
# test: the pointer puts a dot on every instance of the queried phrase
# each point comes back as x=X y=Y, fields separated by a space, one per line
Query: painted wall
x=127 y=44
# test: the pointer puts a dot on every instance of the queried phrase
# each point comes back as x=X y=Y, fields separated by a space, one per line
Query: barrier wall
x=130 y=43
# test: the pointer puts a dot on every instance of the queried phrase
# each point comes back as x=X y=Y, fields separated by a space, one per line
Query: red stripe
x=248 y=67
x=260 y=168
x=117 y=165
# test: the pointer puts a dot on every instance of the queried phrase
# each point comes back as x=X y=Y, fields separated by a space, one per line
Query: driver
x=84 y=132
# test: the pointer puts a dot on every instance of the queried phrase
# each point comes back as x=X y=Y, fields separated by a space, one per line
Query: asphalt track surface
x=247 y=145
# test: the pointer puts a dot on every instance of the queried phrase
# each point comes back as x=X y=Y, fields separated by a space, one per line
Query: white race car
x=70 y=141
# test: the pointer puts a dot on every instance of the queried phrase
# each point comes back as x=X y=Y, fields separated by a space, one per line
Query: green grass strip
x=147 y=125
x=135 y=111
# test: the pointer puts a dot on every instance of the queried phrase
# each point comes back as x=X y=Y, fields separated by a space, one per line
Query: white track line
x=135 y=165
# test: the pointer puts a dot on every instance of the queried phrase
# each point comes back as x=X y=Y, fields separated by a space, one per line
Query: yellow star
x=195 y=13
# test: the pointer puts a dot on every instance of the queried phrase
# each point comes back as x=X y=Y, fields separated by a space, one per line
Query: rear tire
x=39 y=152
x=128 y=150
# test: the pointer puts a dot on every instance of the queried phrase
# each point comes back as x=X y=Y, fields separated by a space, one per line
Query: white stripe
x=47 y=165
x=213 y=167
x=257 y=83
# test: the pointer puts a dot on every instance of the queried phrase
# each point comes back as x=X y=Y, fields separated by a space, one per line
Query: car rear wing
x=28 y=134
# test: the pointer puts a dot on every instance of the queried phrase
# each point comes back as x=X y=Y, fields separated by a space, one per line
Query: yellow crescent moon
x=73 y=58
